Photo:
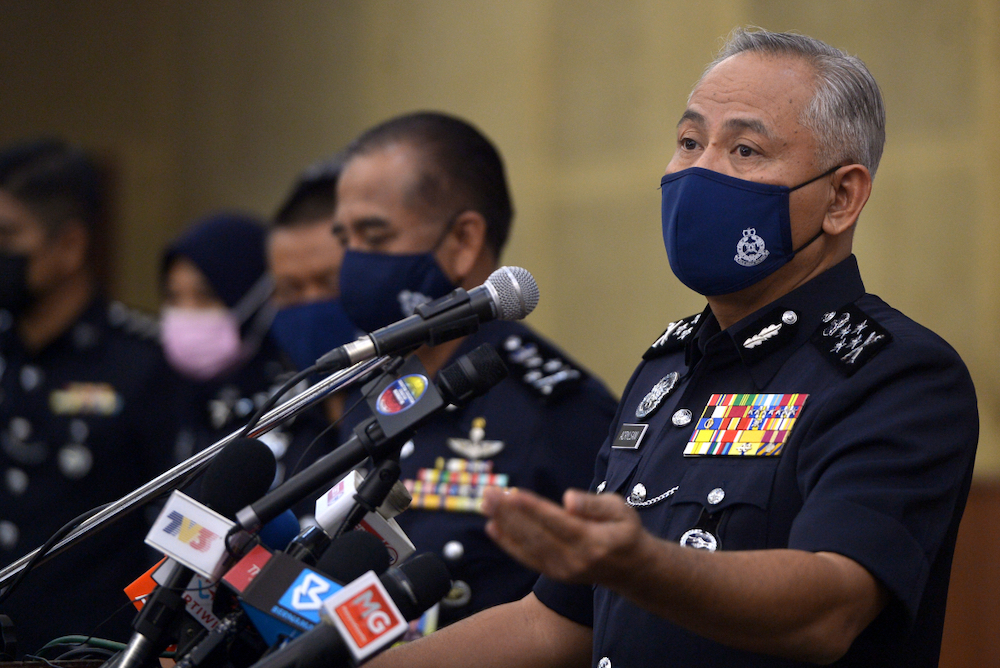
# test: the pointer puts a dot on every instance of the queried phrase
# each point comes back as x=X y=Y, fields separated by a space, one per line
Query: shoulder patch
x=850 y=338
x=132 y=321
x=540 y=367
x=673 y=338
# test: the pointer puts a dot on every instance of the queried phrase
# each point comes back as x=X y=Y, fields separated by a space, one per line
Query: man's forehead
x=752 y=91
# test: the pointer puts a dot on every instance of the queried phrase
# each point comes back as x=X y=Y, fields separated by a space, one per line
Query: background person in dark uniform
x=423 y=208
x=816 y=444
x=82 y=398
x=216 y=322
x=304 y=259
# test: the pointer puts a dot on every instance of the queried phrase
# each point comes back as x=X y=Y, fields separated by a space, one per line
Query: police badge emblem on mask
x=377 y=289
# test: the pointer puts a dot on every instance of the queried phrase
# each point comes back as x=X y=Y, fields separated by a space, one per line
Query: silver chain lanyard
x=650 y=502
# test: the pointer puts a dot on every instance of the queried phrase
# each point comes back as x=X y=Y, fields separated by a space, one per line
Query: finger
x=525 y=514
x=599 y=507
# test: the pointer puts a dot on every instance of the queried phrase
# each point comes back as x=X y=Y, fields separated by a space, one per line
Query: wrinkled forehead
x=772 y=90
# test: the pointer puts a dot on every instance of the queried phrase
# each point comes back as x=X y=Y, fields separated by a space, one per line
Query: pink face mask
x=200 y=343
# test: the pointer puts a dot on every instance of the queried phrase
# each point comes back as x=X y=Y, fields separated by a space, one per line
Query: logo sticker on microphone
x=402 y=394
x=365 y=615
x=306 y=595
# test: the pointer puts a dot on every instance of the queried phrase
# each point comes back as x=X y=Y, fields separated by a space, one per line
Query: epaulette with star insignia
x=540 y=366
x=132 y=321
x=673 y=338
x=850 y=338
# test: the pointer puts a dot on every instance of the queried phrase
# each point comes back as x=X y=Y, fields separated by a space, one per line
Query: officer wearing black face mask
x=81 y=386
x=423 y=208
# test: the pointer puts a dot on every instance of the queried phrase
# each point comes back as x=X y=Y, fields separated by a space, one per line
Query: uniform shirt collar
x=765 y=339
x=83 y=333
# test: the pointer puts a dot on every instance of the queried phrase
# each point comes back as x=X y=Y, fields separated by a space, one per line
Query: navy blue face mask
x=308 y=331
x=377 y=289
x=724 y=234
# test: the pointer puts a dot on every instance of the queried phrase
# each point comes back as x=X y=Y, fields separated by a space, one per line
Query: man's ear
x=464 y=245
x=852 y=185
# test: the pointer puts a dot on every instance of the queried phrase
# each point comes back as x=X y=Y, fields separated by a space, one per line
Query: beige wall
x=219 y=104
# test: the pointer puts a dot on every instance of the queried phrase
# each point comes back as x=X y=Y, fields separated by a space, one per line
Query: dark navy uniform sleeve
x=880 y=461
x=574 y=601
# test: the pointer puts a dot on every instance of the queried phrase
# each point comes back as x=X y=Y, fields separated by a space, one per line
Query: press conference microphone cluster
x=468 y=377
x=510 y=293
x=241 y=472
x=366 y=616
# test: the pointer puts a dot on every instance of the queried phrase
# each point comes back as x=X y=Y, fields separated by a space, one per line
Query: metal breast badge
x=656 y=395
x=476 y=446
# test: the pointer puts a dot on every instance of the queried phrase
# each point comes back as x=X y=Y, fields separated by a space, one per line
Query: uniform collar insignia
x=675 y=336
x=761 y=337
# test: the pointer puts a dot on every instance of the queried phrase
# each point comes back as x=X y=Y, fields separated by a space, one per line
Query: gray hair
x=846 y=113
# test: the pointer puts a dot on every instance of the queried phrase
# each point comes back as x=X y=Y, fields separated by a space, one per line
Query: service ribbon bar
x=745 y=425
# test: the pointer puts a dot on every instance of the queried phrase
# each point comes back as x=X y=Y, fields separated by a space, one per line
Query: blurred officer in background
x=82 y=397
x=304 y=259
x=215 y=328
x=423 y=208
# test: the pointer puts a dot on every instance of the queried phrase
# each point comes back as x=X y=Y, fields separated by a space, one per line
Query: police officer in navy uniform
x=82 y=399
x=786 y=473
x=216 y=331
x=423 y=208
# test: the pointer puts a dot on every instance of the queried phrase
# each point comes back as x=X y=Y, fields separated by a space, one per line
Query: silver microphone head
x=515 y=292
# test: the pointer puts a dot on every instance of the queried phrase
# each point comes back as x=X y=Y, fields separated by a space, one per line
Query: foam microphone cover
x=279 y=532
x=471 y=375
x=353 y=554
x=418 y=584
x=240 y=473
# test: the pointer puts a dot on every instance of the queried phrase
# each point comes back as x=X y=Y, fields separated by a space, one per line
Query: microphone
x=468 y=377
x=284 y=598
x=510 y=293
x=243 y=470
x=366 y=616
x=339 y=502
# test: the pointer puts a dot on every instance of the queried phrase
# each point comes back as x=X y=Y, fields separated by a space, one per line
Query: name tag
x=629 y=436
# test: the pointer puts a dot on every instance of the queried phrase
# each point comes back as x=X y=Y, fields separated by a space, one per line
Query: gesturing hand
x=589 y=539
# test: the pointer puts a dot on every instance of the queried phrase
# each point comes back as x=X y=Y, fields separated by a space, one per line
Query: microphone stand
x=177 y=475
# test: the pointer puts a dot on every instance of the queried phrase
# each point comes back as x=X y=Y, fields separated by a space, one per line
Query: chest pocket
x=736 y=494
x=621 y=467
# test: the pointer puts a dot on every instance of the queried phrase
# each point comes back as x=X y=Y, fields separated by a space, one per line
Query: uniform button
x=789 y=317
x=406 y=450
x=78 y=430
x=9 y=535
x=716 y=495
x=638 y=493
x=20 y=428
x=75 y=461
x=453 y=550
x=16 y=480
x=602 y=486
x=681 y=418
x=31 y=377
x=459 y=595
x=605 y=662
